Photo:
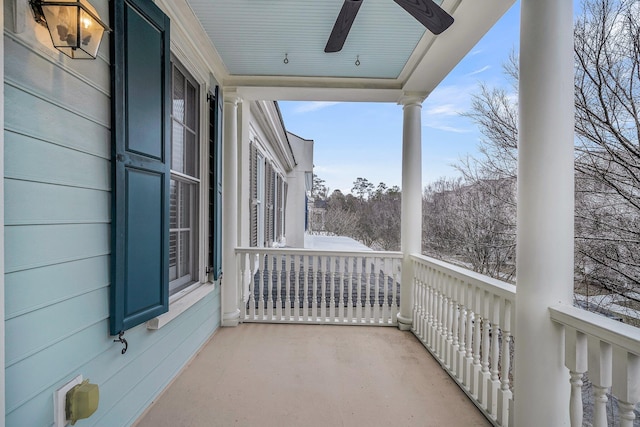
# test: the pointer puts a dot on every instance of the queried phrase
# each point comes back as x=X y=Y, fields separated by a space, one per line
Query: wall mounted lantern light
x=75 y=27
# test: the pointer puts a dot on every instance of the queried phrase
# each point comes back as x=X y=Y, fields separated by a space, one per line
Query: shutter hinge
x=210 y=98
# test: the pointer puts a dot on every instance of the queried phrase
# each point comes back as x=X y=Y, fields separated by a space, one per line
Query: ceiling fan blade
x=428 y=13
x=342 y=26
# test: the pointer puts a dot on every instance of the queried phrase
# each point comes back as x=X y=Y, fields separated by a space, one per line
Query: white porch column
x=411 y=226
x=230 y=310
x=545 y=210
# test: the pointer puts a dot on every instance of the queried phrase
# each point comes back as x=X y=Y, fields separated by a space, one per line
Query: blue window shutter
x=140 y=163
x=215 y=174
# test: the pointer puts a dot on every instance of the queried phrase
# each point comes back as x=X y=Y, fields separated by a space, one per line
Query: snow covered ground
x=333 y=243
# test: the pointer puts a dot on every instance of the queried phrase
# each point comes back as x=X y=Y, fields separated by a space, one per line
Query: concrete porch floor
x=308 y=375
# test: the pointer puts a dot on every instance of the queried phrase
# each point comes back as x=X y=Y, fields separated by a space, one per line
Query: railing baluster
x=442 y=315
x=424 y=312
x=287 y=280
x=350 y=272
x=332 y=298
x=505 y=394
x=462 y=325
x=451 y=324
x=575 y=358
x=477 y=329
x=341 y=283
x=367 y=290
x=278 y=287
x=386 y=306
x=252 y=286
x=317 y=265
x=494 y=382
x=626 y=383
x=262 y=276
x=306 y=269
x=296 y=297
x=485 y=349
x=468 y=363
x=600 y=374
x=359 y=278
x=432 y=322
x=323 y=288
x=376 y=290
x=417 y=300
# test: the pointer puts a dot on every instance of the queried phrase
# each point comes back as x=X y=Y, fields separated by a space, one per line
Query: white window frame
x=181 y=284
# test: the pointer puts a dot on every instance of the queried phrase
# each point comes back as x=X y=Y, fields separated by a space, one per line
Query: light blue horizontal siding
x=28 y=203
x=128 y=383
x=40 y=372
x=45 y=78
x=33 y=246
x=40 y=329
x=37 y=288
x=55 y=123
x=31 y=159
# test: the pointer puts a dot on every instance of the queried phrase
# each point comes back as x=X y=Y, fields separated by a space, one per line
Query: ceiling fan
x=426 y=12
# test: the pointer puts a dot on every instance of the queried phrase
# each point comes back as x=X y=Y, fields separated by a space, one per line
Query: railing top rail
x=498 y=287
x=608 y=330
x=319 y=252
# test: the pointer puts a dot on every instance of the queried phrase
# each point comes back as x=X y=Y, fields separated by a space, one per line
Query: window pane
x=184 y=206
x=185 y=254
x=173 y=256
x=178 y=95
x=191 y=106
x=191 y=154
x=173 y=205
x=177 y=147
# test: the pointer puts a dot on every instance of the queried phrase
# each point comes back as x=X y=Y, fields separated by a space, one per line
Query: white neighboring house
x=300 y=182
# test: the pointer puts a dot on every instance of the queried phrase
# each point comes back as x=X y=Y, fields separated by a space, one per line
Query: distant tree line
x=368 y=214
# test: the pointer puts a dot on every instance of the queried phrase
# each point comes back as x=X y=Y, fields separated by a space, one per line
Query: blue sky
x=365 y=140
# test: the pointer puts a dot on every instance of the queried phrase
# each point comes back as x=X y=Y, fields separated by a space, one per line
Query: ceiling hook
x=286 y=59
x=358 y=61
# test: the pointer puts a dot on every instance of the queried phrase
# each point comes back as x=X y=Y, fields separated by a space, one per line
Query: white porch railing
x=609 y=353
x=323 y=287
x=466 y=321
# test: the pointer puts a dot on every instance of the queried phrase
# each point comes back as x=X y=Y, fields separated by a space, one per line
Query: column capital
x=230 y=95
x=412 y=99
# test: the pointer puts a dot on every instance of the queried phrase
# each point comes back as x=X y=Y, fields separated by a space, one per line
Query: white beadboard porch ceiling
x=397 y=54
x=253 y=36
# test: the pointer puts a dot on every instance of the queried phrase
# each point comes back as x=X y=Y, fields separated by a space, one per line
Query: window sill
x=181 y=304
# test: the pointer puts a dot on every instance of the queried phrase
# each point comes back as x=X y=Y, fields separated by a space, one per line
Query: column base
x=404 y=323
x=231 y=319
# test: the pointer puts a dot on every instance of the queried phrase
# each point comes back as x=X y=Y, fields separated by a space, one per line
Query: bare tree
x=607 y=100
x=608 y=127
x=471 y=226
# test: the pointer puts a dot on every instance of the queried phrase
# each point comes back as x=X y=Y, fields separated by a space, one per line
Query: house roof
x=252 y=38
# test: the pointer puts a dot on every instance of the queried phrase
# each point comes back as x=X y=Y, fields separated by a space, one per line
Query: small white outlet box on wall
x=59 y=401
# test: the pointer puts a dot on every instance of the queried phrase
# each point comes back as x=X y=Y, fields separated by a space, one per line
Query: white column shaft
x=545 y=210
x=411 y=226
x=230 y=310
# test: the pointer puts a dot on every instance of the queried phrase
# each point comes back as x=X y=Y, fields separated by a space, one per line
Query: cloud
x=443 y=110
x=308 y=107
x=481 y=70
x=446 y=128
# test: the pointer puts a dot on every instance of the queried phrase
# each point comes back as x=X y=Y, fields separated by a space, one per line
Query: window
x=185 y=182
